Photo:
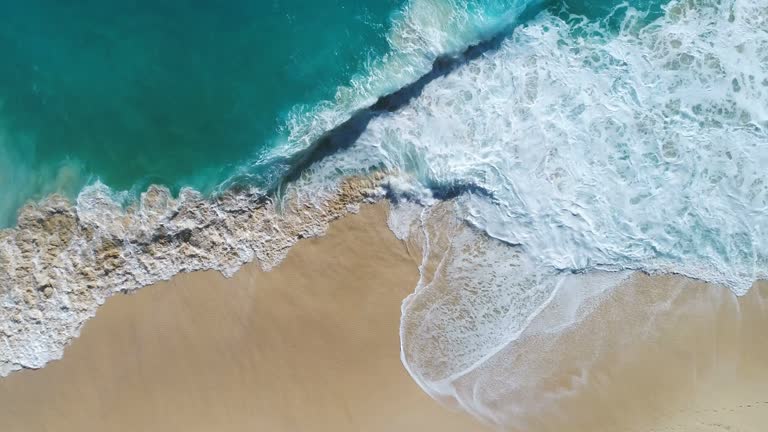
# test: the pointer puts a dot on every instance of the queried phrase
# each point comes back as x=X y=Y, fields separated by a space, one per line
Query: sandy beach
x=310 y=346
x=313 y=346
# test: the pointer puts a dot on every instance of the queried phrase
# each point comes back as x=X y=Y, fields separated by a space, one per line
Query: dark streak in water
x=346 y=134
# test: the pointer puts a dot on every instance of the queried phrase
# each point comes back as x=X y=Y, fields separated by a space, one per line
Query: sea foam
x=588 y=147
x=117 y=241
x=63 y=261
x=638 y=150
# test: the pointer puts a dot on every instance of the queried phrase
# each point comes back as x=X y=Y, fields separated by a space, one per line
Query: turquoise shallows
x=175 y=92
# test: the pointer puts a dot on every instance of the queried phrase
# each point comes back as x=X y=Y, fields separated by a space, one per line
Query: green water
x=175 y=92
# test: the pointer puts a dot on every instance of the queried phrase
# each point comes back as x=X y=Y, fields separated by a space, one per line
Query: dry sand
x=310 y=346
x=313 y=346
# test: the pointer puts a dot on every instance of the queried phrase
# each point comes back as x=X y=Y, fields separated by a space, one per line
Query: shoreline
x=314 y=344
x=63 y=259
x=654 y=353
x=310 y=345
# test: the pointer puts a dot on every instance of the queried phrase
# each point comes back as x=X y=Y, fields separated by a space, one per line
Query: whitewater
x=533 y=149
x=577 y=146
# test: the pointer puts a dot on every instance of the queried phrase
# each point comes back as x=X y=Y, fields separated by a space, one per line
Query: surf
x=193 y=98
x=630 y=142
x=523 y=145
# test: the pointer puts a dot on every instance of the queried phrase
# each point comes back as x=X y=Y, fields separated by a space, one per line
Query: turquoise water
x=189 y=93
x=164 y=91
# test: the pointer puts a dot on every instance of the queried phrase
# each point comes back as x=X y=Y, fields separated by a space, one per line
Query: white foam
x=402 y=217
x=478 y=295
x=62 y=262
x=421 y=32
x=642 y=150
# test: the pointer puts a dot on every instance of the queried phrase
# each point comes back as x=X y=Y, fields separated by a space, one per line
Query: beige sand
x=310 y=346
x=662 y=354
x=313 y=346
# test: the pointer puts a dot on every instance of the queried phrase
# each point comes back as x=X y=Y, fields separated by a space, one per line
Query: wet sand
x=313 y=346
x=310 y=346
x=661 y=354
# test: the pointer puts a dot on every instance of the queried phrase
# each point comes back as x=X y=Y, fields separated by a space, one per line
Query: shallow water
x=596 y=147
x=170 y=92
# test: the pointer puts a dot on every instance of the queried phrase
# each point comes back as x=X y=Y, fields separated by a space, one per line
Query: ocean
x=190 y=94
x=171 y=92
x=567 y=137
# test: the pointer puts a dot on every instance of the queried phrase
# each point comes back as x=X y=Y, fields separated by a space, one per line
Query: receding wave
x=62 y=261
x=422 y=32
x=625 y=143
